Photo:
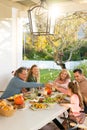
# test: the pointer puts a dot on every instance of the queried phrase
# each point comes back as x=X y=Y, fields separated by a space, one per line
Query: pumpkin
x=48 y=89
x=19 y=100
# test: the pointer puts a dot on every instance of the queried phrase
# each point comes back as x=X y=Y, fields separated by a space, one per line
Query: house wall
x=9 y=47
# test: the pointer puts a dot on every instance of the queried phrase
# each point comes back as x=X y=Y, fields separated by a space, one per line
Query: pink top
x=59 y=83
x=74 y=105
x=62 y=86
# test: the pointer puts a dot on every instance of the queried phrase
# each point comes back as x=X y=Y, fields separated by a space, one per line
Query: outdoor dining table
x=27 y=119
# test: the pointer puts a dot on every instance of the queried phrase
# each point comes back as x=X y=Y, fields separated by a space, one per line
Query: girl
x=76 y=103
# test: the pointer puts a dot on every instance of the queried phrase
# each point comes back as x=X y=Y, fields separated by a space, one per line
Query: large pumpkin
x=19 y=100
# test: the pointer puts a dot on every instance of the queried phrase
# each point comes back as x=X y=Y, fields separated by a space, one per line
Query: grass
x=47 y=75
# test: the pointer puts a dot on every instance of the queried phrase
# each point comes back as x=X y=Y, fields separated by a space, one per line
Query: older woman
x=62 y=81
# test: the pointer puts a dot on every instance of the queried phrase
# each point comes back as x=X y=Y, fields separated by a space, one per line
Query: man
x=18 y=82
x=82 y=81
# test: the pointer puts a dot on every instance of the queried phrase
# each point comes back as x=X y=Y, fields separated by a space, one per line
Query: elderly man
x=82 y=81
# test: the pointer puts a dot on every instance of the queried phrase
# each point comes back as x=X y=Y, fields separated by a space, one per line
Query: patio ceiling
x=29 y=3
x=68 y=5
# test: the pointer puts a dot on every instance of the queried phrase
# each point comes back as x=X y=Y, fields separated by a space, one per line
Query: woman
x=62 y=81
x=18 y=82
x=33 y=74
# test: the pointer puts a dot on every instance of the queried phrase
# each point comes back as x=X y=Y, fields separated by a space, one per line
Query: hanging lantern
x=39 y=20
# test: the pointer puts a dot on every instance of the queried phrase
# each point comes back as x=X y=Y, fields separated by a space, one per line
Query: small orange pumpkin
x=19 y=100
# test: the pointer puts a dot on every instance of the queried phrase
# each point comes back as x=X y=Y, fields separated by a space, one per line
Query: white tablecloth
x=28 y=119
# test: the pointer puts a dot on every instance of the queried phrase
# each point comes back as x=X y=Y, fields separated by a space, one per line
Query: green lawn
x=47 y=75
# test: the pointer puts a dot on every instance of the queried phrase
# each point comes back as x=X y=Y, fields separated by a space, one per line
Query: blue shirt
x=15 y=85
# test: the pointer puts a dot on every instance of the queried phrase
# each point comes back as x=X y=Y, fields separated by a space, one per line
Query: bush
x=83 y=66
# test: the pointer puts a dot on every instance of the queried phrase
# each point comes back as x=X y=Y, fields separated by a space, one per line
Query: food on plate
x=6 y=109
x=39 y=106
x=41 y=100
x=26 y=95
x=2 y=103
x=49 y=100
x=29 y=95
x=5 y=106
x=61 y=99
x=56 y=99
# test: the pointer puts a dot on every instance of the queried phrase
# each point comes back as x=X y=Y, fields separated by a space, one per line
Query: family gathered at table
x=24 y=80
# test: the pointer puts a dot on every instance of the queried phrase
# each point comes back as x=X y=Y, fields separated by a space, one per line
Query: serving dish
x=39 y=106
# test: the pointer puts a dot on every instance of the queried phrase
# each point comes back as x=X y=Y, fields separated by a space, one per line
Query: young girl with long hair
x=76 y=103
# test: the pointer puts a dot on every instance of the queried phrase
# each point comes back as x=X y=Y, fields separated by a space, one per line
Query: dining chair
x=81 y=126
x=73 y=125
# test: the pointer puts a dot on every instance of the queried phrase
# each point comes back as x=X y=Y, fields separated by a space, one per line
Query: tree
x=66 y=37
x=65 y=40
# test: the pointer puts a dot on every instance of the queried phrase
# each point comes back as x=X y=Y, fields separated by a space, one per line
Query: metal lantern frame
x=39 y=18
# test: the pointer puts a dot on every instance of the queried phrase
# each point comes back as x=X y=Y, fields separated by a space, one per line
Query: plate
x=29 y=95
x=33 y=101
x=39 y=106
x=10 y=99
x=19 y=106
x=63 y=101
